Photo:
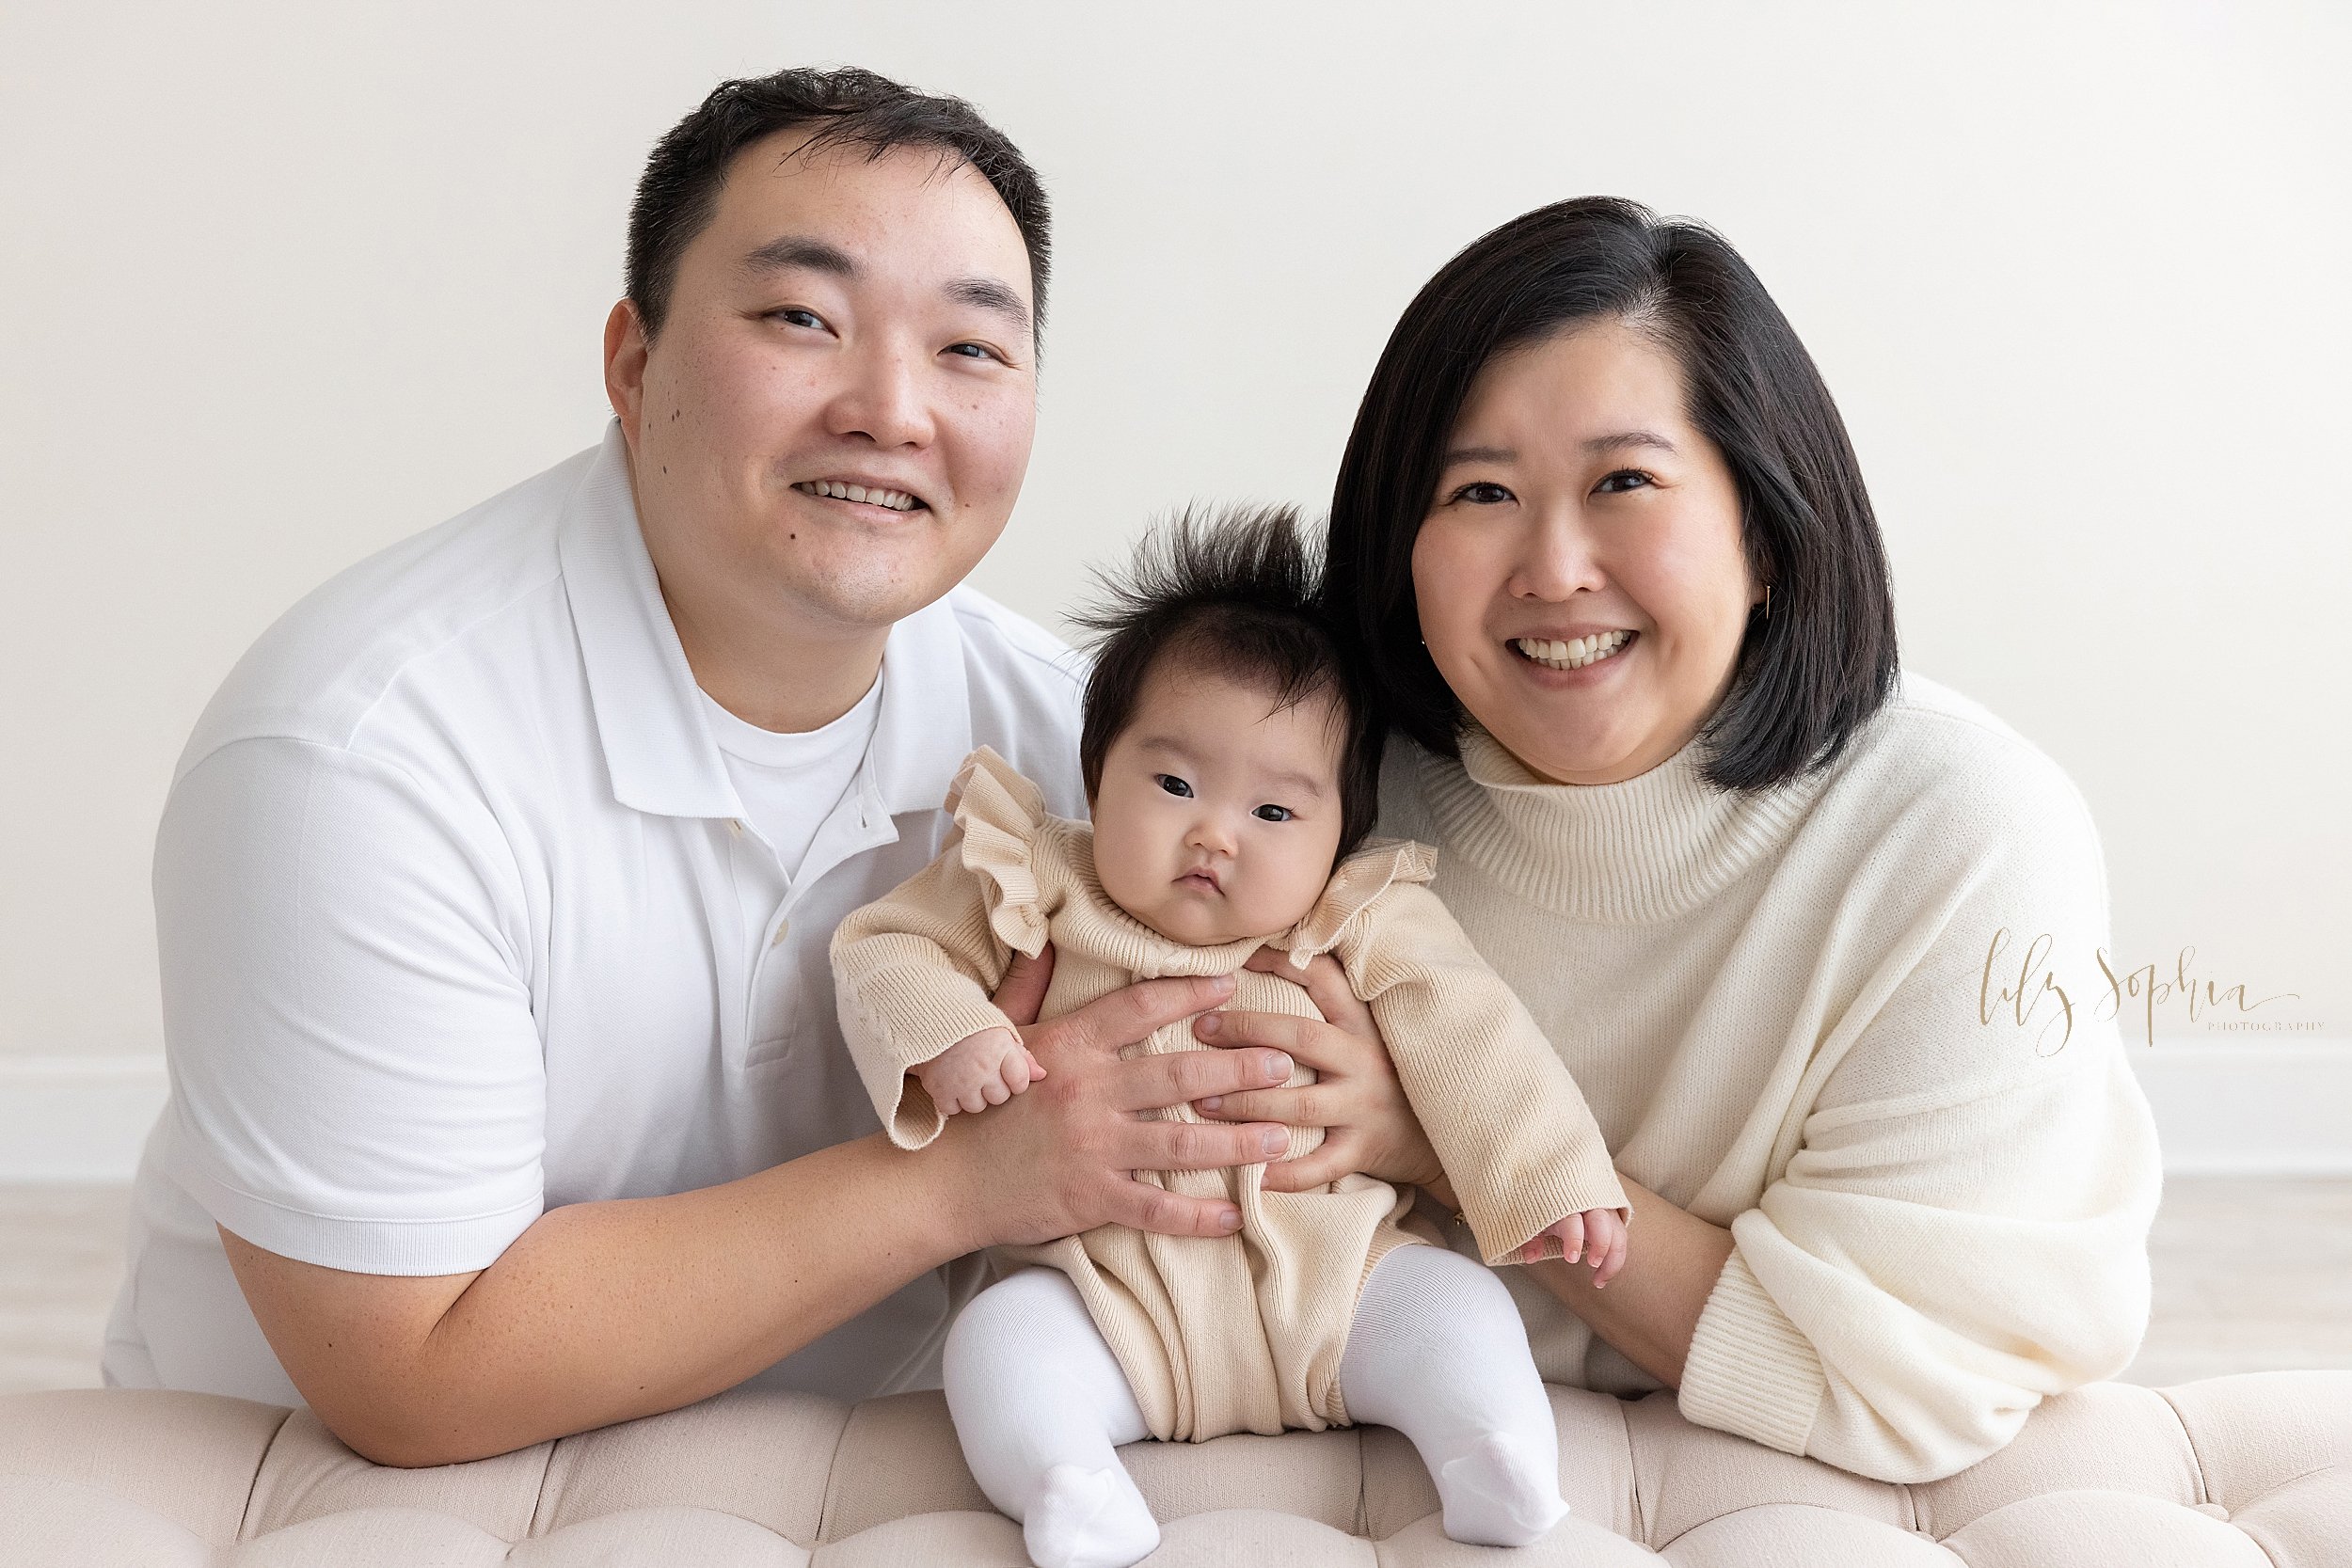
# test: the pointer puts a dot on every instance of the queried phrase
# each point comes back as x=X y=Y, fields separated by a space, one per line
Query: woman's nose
x=882 y=398
x=1558 y=556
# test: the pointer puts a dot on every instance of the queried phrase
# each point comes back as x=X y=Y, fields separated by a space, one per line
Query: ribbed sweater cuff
x=1750 y=1370
x=903 y=1038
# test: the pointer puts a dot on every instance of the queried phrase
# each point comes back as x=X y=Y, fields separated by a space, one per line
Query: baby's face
x=1217 y=816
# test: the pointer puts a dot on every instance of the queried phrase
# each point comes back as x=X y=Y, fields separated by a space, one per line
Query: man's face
x=842 y=327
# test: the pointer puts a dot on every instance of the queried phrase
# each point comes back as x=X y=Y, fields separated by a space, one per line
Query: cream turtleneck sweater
x=1777 y=1007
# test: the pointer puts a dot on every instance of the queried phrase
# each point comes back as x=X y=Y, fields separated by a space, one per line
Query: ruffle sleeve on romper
x=914 y=970
x=1519 y=1143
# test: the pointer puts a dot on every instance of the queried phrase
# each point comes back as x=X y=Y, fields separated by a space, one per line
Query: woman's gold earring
x=1768 y=601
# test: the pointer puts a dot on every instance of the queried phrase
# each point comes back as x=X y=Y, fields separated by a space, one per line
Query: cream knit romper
x=1240 y=1333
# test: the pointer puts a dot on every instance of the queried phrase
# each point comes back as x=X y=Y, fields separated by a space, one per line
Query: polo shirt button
x=784 y=929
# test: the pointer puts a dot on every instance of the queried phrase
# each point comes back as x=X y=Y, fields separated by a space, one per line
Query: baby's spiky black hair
x=1232 y=592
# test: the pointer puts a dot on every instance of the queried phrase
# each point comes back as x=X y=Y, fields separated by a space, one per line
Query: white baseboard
x=76 y=1119
x=2252 y=1109
x=2279 y=1108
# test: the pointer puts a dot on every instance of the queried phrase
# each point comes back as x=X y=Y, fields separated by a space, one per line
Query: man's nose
x=1558 y=556
x=883 y=398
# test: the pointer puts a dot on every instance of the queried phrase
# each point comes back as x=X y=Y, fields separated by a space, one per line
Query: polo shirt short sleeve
x=461 y=919
x=354 y=1058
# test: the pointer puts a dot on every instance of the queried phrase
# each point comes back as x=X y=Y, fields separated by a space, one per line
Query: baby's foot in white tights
x=1090 y=1519
x=1496 y=1497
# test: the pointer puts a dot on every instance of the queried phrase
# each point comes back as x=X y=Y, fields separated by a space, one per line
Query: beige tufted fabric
x=2252 y=1471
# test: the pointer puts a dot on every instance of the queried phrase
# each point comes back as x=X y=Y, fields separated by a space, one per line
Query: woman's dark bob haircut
x=1806 y=677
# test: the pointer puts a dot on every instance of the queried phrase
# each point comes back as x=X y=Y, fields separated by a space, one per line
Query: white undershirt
x=790 y=783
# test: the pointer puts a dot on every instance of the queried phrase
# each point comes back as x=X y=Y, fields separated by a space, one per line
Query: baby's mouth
x=1201 y=877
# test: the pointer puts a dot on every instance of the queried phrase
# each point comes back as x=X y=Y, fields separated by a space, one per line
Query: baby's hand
x=1597 y=1237
x=977 y=1071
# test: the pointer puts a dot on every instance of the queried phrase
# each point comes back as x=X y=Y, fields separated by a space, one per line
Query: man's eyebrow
x=798 y=250
x=989 y=294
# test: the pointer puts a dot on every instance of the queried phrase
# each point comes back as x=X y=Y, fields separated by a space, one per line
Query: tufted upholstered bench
x=2253 y=1471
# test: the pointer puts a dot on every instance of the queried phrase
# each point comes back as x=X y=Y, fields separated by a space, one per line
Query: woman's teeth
x=896 y=500
x=1574 y=654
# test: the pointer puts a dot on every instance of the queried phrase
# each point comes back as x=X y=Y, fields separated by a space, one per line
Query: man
x=495 y=886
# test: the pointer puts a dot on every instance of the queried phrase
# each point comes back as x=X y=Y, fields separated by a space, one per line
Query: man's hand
x=1061 y=1159
x=1368 y=1124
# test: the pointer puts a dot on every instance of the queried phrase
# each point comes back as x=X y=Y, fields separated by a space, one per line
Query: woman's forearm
x=1650 y=1311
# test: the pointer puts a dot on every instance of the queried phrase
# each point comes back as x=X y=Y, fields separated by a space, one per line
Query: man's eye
x=1624 y=480
x=793 y=315
x=974 y=351
x=1174 y=784
x=1274 y=814
x=1482 y=493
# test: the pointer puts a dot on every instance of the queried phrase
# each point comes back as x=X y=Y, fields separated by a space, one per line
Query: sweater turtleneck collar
x=1649 y=849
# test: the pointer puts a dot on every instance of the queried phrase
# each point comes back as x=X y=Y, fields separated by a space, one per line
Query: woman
x=1812 y=937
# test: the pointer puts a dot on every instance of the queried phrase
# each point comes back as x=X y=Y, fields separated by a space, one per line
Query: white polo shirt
x=460 y=921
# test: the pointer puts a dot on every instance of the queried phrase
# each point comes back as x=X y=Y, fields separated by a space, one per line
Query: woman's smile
x=1571 y=655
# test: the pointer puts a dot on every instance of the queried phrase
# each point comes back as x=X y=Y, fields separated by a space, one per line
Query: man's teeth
x=1574 y=654
x=898 y=500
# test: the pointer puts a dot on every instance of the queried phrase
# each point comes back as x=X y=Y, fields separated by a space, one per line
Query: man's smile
x=863 y=492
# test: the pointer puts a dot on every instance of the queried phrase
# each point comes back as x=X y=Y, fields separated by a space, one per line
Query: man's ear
x=625 y=351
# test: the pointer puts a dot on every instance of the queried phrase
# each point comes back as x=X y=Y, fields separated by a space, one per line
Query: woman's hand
x=1368 y=1124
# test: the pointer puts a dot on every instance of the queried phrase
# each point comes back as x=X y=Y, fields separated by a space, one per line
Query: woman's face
x=1580 y=514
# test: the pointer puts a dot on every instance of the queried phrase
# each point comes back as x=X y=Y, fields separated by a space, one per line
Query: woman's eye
x=1174 y=784
x=1274 y=814
x=1624 y=480
x=1482 y=493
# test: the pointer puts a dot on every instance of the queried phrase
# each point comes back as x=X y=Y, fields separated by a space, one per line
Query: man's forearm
x=603 y=1313
x=1650 y=1311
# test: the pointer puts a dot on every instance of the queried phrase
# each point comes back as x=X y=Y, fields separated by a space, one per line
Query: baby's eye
x=1174 y=784
x=1274 y=814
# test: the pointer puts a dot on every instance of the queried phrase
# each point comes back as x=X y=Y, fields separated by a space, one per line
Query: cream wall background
x=285 y=282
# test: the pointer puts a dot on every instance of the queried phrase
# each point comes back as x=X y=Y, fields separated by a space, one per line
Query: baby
x=1232 y=771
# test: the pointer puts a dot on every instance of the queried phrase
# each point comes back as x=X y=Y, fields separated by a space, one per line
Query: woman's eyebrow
x=1460 y=455
x=1624 y=438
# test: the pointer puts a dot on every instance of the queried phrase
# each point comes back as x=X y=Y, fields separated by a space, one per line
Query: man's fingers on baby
x=1198 y=1145
x=1151 y=1082
x=1144 y=1207
x=1131 y=1013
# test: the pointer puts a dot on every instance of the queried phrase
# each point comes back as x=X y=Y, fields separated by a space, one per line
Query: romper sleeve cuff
x=1750 y=1370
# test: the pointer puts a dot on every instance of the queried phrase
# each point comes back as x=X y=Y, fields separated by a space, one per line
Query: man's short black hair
x=1235 y=593
x=1807 y=676
x=679 y=193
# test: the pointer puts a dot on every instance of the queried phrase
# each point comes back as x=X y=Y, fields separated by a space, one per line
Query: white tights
x=1437 y=1350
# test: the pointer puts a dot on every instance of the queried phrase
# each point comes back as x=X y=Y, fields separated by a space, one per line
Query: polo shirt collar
x=659 y=753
